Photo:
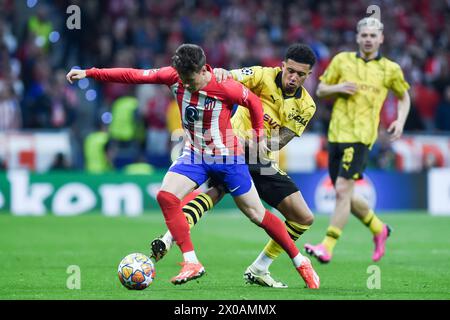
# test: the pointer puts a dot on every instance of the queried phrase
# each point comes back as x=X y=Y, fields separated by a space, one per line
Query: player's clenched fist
x=75 y=74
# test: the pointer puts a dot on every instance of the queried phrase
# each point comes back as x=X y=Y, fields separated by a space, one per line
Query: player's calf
x=193 y=211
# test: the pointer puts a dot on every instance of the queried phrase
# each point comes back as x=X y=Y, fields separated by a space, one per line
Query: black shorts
x=347 y=160
x=272 y=184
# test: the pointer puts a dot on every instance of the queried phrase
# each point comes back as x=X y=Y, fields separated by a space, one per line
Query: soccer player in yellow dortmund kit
x=288 y=107
x=360 y=82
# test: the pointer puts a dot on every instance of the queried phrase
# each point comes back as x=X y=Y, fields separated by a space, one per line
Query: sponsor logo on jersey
x=210 y=103
x=298 y=118
x=271 y=122
x=368 y=87
x=191 y=114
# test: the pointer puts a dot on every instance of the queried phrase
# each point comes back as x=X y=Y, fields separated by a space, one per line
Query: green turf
x=35 y=253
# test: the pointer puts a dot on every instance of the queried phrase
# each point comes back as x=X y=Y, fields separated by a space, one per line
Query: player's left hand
x=396 y=130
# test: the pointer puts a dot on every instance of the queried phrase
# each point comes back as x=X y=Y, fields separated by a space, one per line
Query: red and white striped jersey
x=205 y=114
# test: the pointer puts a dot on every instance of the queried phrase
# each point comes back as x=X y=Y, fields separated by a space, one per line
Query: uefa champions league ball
x=136 y=271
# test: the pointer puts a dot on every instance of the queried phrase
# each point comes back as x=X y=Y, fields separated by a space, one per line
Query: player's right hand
x=221 y=74
x=263 y=149
x=257 y=146
x=347 y=88
x=75 y=74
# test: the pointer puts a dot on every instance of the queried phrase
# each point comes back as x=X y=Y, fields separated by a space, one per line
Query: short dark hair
x=188 y=58
x=300 y=53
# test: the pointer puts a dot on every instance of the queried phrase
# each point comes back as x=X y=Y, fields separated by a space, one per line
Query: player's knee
x=343 y=192
x=297 y=212
x=307 y=219
x=304 y=217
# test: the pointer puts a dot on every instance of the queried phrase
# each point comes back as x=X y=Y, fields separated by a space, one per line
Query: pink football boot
x=319 y=251
x=380 y=242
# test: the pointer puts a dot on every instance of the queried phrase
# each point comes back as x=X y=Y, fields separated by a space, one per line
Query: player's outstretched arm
x=166 y=75
x=121 y=75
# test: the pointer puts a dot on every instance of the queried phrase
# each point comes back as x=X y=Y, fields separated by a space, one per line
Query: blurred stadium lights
x=39 y=41
x=83 y=84
x=106 y=117
x=91 y=95
x=31 y=3
x=54 y=36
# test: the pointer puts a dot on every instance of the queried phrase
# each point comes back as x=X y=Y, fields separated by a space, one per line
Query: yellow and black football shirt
x=355 y=118
x=293 y=112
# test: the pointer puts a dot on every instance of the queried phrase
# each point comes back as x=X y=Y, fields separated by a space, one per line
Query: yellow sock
x=295 y=230
x=194 y=210
x=331 y=237
x=373 y=222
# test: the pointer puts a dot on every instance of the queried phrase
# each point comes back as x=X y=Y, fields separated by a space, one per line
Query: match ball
x=136 y=271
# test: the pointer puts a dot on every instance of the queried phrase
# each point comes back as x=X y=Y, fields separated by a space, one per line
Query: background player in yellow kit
x=360 y=82
x=288 y=108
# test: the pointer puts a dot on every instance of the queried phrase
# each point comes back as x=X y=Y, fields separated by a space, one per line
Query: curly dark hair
x=300 y=53
x=188 y=58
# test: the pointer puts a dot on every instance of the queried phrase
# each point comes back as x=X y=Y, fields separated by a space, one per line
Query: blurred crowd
x=38 y=47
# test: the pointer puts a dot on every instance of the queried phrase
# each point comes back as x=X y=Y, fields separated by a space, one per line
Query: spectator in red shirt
x=426 y=102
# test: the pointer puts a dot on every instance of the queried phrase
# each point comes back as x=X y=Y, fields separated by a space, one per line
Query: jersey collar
x=378 y=57
x=298 y=93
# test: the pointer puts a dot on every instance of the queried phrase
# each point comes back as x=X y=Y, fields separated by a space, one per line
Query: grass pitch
x=36 y=252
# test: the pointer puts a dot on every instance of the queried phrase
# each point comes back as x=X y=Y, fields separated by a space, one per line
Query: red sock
x=175 y=220
x=277 y=231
